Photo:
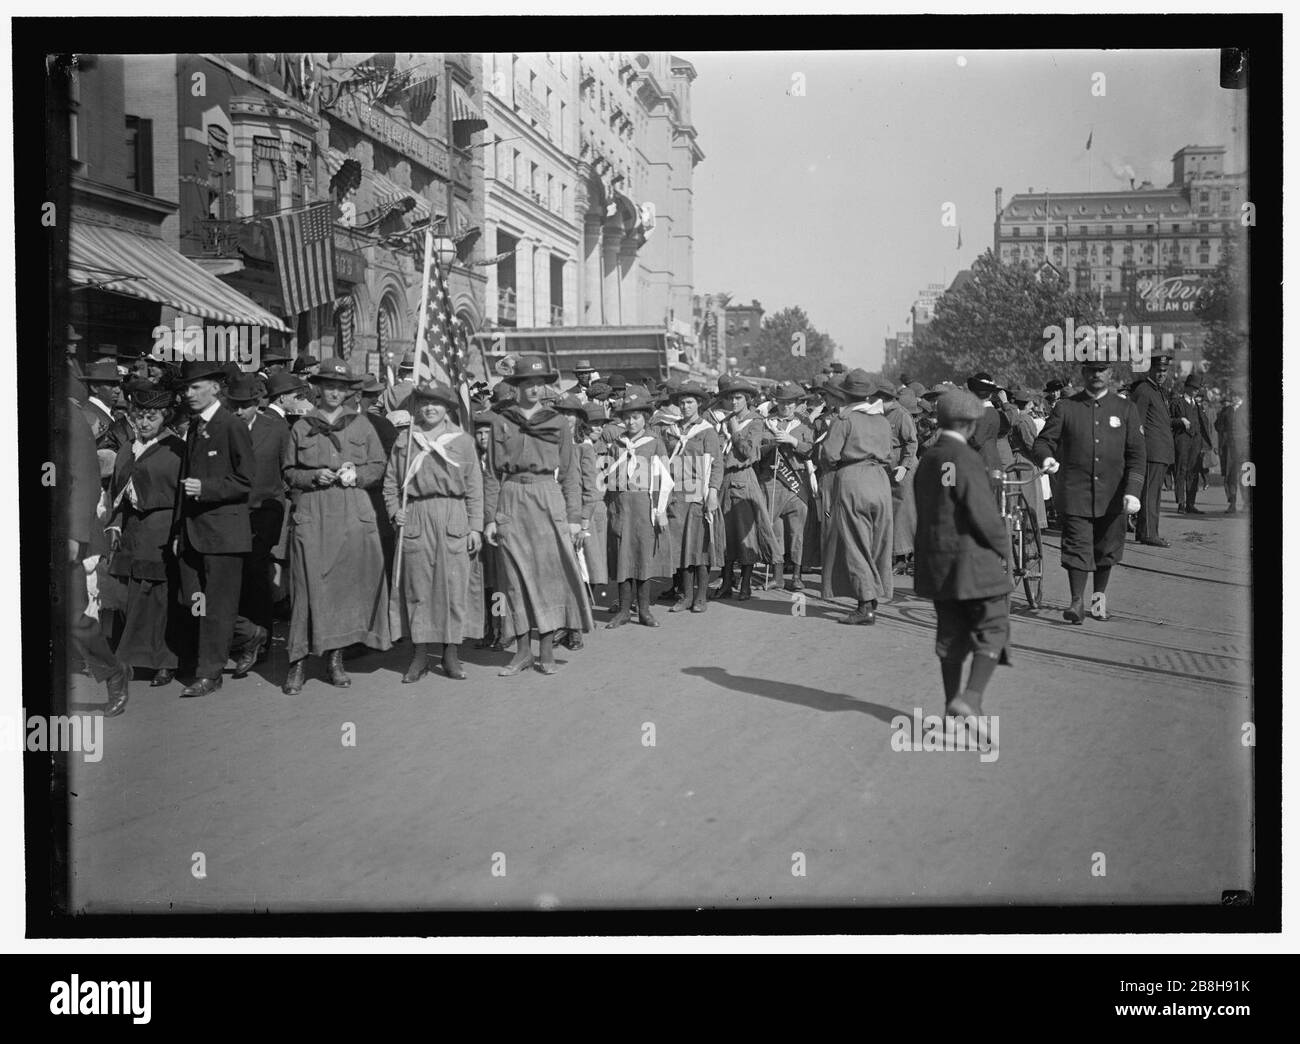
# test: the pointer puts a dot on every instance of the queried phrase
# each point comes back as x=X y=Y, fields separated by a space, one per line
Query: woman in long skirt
x=533 y=519
x=857 y=549
x=574 y=411
x=595 y=516
x=639 y=479
x=143 y=494
x=749 y=528
x=695 y=463
x=340 y=590
x=437 y=512
x=484 y=565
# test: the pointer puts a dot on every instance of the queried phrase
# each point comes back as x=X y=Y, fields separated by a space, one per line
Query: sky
x=832 y=200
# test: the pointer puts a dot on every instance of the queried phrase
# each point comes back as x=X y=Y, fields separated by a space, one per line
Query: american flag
x=445 y=335
x=304 y=256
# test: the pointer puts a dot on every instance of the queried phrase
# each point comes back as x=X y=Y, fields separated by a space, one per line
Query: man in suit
x=1233 y=427
x=1148 y=395
x=584 y=373
x=211 y=523
x=1094 y=439
x=1192 y=436
x=86 y=543
x=991 y=425
x=267 y=516
x=961 y=555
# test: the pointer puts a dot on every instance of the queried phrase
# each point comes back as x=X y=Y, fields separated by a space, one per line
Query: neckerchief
x=436 y=446
x=320 y=426
x=629 y=453
x=535 y=426
x=874 y=409
x=695 y=429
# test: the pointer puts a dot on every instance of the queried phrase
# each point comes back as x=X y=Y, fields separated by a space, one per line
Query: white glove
x=1131 y=504
x=899 y=474
x=1051 y=466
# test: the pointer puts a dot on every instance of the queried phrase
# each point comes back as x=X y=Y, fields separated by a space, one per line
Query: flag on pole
x=445 y=340
x=304 y=256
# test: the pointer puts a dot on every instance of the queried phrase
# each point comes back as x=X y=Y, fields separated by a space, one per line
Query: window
x=1225 y=196
x=1205 y=259
x=221 y=171
x=532 y=179
x=268 y=172
x=1038 y=231
x=550 y=192
x=1110 y=230
x=564 y=117
x=1083 y=230
x=1205 y=227
x=1059 y=230
x=139 y=154
x=1205 y=196
x=1015 y=233
x=1128 y=230
x=1151 y=228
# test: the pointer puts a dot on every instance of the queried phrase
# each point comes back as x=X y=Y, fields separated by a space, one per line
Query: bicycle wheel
x=1031 y=556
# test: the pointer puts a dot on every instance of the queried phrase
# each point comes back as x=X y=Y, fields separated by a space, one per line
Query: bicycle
x=1026 y=564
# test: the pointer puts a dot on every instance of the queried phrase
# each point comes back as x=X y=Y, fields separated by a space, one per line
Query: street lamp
x=444 y=249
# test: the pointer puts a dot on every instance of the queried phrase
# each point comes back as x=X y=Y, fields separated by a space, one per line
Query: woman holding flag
x=533 y=512
x=438 y=510
x=638 y=520
x=693 y=519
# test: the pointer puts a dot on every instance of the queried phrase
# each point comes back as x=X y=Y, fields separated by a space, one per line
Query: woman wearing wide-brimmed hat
x=340 y=589
x=437 y=510
x=857 y=543
x=749 y=529
x=533 y=517
x=694 y=515
x=639 y=484
x=143 y=494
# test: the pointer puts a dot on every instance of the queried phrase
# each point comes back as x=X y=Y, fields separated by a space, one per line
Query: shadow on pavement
x=803 y=695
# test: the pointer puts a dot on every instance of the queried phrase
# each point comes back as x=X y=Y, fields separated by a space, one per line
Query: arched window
x=388 y=327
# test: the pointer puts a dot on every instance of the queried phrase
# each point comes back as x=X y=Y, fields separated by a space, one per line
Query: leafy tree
x=1224 y=312
x=995 y=322
x=777 y=343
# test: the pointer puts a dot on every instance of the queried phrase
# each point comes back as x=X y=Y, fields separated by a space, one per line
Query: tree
x=784 y=335
x=995 y=323
x=1224 y=312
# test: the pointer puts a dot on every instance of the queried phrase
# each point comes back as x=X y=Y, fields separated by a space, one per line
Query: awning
x=127 y=263
x=466 y=118
x=383 y=190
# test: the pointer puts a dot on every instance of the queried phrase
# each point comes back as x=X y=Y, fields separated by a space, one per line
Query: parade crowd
x=204 y=504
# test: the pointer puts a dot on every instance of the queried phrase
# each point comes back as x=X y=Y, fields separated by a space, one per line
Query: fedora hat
x=637 y=398
x=527 y=366
x=371 y=385
x=242 y=390
x=430 y=391
x=279 y=383
x=103 y=372
x=198 y=370
x=858 y=384
x=335 y=369
x=303 y=362
x=584 y=366
x=1194 y=380
x=275 y=355
x=408 y=362
x=617 y=382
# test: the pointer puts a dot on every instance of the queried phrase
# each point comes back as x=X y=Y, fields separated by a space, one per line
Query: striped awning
x=464 y=112
x=383 y=191
x=122 y=262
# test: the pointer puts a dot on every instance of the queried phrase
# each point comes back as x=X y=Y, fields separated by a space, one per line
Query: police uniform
x=1153 y=409
x=1101 y=448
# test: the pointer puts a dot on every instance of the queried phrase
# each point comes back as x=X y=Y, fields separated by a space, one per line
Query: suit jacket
x=961 y=548
x=221 y=458
x=84 y=525
x=1153 y=408
x=1101 y=449
x=1233 y=426
x=270 y=435
x=1199 y=423
x=984 y=439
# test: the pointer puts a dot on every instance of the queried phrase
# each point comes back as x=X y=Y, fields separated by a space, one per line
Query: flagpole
x=420 y=337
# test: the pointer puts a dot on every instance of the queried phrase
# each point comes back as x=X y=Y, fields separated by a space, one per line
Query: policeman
x=1148 y=395
x=1095 y=440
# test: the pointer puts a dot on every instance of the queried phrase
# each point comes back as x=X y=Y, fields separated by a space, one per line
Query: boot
x=796 y=578
x=334 y=670
x=419 y=664
x=294 y=680
x=865 y=613
x=624 y=613
x=746 y=572
x=687 y=582
x=118 y=686
x=643 y=603
x=728 y=581
x=1078 y=589
x=701 y=602
x=451 y=662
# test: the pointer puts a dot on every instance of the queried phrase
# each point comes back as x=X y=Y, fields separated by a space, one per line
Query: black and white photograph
x=752 y=476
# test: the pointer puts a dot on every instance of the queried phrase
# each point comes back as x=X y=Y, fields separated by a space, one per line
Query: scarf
x=537 y=426
x=430 y=446
x=320 y=426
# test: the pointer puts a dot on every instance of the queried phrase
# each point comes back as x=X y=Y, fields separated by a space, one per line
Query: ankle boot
x=624 y=614
x=701 y=602
x=293 y=681
x=746 y=572
x=728 y=581
x=796 y=578
x=687 y=582
x=865 y=613
x=419 y=666
x=334 y=669
x=451 y=662
x=643 y=603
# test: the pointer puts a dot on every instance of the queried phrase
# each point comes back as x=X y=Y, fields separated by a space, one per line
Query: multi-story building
x=239 y=138
x=923 y=306
x=589 y=208
x=744 y=321
x=710 y=323
x=1143 y=250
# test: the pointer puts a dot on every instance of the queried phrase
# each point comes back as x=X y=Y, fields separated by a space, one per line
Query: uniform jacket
x=961 y=544
x=541 y=445
x=903 y=452
x=1194 y=413
x=221 y=458
x=1101 y=449
x=1153 y=407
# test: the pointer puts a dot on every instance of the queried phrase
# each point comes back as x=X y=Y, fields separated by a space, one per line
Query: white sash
x=437 y=447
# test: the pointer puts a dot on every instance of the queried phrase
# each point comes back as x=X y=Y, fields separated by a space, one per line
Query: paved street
x=772 y=737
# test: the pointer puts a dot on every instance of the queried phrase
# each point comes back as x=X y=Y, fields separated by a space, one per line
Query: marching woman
x=574 y=411
x=437 y=511
x=340 y=590
x=484 y=565
x=749 y=529
x=857 y=548
x=638 y=521
x=696 y=465
x=145 y=476
x=533 y=508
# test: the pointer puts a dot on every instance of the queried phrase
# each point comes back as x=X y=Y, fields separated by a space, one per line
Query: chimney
x=997 y=201
x=1132 y=183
